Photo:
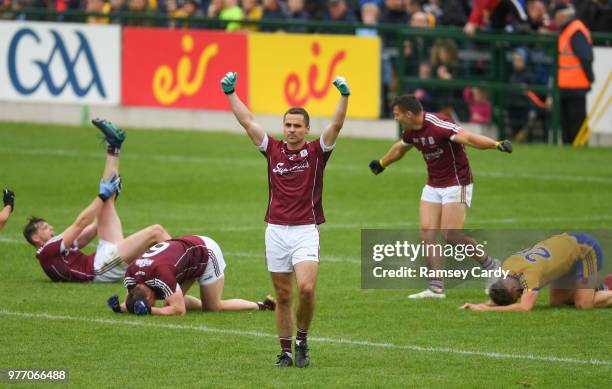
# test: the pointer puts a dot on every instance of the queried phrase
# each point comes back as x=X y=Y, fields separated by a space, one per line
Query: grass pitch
x=215 y=184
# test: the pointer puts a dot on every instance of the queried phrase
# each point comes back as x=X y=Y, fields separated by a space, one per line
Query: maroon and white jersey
x=447 y=162
x=63 y=264
x=295 y=181
x=168 y=264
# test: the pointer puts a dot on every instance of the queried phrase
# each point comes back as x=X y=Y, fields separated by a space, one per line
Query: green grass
x=215 y=184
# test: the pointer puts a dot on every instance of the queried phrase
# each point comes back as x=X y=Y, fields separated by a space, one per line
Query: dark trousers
x=573 y=113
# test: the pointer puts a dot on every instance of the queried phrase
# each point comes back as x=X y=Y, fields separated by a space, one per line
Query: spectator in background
x=14 y=7
x=433 y=8
x=538 y=17
x=140 y=8
x=214 y=9
x=117 y=6
x=252 y=11
x=394 y=13
x=453 y=13
x=423 y=93
x=173 y=11
x=315 y=9
x=369 y=16
x=596 y=14
x=443 y=58
x=96 y=6
x=575 y=73
x=495 y=15
x=272 y=10
x=443 y=61
x=518 y=105
x=296 y=12
x=479 y=104
x=416 y=50
x=233 y=13
x=339 y=11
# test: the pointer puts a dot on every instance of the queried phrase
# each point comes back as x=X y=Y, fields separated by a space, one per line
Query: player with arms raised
x=448 y=192
x=295 y=209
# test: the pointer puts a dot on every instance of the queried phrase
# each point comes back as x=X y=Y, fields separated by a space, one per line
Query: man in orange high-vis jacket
x=575 y=74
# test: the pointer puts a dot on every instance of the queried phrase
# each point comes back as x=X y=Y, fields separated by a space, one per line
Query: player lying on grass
x=61 y=257
x=569 y=262
x=167 y=271
x=8 y=198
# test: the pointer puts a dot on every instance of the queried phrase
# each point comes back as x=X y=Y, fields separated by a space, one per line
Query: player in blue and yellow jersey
x=568 y=262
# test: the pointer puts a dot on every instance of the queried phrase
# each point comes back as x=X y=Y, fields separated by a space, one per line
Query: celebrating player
x=8 y=198
x=167 y=271
x=448 y=191
x=60 y=256
x=295 y=177
x=568 y=262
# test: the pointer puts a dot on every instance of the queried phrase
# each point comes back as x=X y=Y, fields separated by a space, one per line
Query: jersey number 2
x=535 y=253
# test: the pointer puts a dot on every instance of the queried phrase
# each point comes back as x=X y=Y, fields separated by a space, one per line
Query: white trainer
x=428 y=294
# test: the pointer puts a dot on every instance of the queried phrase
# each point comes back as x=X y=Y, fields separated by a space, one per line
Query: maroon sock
x=301 y=335
x=285 y=343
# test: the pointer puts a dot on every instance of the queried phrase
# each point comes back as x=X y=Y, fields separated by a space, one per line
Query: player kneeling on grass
x=167 y=271
x=569 y=262
x=60 y=256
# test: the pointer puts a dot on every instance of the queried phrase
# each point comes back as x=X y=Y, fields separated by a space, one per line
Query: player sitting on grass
x=61 y=257
x=570 y=262
x=8 y=198
x=167 y=271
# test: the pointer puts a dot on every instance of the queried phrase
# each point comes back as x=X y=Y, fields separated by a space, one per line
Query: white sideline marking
x=332 y=167
x=444 y=350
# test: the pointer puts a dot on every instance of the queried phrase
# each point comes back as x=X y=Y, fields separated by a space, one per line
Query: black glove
x=113 y=303
x=8 y=196
x=504 y=146
x=376 y=167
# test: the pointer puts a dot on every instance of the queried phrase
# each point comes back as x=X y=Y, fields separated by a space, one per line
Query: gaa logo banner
x=53 y=62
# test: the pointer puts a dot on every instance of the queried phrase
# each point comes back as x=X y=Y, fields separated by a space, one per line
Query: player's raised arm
x=468 y=138
x=241 y=112
x=330 y=133
x=107 y=189
x=395 y=153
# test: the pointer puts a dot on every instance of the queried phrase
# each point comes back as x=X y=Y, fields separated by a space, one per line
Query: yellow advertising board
x=295 y=70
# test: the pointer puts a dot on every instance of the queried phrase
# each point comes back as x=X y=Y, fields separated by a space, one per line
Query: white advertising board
x=60 y=63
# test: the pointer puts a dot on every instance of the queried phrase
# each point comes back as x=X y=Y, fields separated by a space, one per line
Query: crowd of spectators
x=424 y=58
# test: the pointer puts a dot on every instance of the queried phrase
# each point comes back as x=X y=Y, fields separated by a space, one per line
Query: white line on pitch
x=411 y=347
x=332 y=167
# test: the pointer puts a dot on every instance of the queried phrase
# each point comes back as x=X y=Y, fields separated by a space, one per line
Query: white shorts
x=451 y=194
x=108 y=267
x=216 y=263
x=288 y=245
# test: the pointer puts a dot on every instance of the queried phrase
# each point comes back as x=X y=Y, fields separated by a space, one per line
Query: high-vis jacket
x=571 y=74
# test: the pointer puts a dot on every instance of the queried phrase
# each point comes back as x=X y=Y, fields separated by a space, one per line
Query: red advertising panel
x=181 y=68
